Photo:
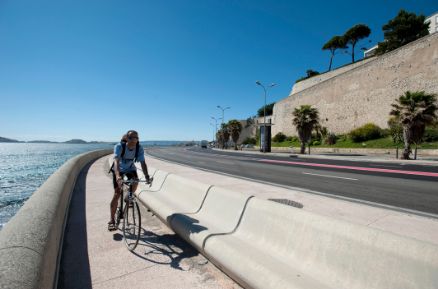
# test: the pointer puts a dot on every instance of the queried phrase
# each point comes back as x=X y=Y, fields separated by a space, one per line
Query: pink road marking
x=428 y=174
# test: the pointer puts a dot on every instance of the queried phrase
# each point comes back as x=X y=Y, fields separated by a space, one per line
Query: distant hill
x=41 y=141
x=3 y=139
x=76 y=141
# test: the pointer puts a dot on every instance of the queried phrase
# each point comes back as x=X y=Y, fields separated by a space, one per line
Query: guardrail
x=31 y=241
x=263 y=244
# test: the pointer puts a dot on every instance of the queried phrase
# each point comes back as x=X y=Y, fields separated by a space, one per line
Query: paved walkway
x=96 y=258
x=421 y=160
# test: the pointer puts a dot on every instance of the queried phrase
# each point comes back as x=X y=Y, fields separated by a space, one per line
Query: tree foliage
x=269 y=109
x=337 y=42
x=305 y=119
x=222 y=136
x=404 y=28
x=414 y=110
x=309 y=73
x=234 y=127
x=354 y=34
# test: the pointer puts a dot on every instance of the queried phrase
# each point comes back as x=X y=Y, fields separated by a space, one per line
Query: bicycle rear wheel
x=131 y=225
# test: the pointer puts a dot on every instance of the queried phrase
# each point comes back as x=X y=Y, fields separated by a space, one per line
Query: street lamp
x=223 y=109
x=264 y=113
x=215 y=132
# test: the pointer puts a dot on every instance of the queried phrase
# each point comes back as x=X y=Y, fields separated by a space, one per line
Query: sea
x=24 y=167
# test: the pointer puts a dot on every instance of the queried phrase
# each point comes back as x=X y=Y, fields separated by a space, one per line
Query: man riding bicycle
x=126 y=153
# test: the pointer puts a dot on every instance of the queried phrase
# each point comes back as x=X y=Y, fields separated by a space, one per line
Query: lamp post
x=223 y=109
x=215 y=132
x=264 y=112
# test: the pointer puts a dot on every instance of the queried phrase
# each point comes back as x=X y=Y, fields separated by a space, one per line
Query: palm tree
x=220 y=139
x=225 y=135
x=396 y=132
x=415 y=110
x=337 y=42
x=354 y=34
x=235 y=127
x=306 y=118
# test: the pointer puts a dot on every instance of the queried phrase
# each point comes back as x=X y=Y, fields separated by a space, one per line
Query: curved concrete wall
x=30 y=242
x=263 y=244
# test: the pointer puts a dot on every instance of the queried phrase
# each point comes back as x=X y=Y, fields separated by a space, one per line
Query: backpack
x=123 y=143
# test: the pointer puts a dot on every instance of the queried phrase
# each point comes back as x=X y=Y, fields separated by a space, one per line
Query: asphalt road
x=401 y=186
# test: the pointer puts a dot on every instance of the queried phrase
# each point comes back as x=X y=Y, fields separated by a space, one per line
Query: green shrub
x=279 y=137
x=386 y=132
x=341 y=137
x=316 y=136
x=330 y=139
x=367 y=132
x=249 y=140
x=293 y=139
x=430 y=135
x=316 y=143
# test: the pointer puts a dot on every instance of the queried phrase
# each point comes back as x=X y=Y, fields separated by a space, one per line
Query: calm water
x=24 y=167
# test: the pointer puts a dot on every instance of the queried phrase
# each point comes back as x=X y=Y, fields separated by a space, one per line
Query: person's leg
x=116 y=196
x=133 y=175
x=114 y=201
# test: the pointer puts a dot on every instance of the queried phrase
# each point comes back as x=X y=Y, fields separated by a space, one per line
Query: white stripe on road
x=328 y=176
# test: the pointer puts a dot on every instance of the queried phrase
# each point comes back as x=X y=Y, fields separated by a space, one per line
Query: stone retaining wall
x=365 y=93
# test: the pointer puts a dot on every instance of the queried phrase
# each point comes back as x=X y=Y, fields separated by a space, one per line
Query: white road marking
x=328 y=176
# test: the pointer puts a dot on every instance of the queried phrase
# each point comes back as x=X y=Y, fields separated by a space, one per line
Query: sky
x=97 y=68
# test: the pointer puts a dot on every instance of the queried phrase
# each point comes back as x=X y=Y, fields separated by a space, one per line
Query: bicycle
x=130 y=213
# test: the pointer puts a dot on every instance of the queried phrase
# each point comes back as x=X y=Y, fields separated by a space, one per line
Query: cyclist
x=126 y=153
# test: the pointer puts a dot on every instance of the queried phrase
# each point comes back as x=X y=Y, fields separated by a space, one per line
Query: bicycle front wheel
x=131 y=225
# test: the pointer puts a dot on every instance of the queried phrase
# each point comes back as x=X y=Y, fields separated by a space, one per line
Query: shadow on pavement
x=74 y=268
x=164 y=249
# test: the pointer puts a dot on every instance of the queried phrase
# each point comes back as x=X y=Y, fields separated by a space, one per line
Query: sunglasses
x=132 y=137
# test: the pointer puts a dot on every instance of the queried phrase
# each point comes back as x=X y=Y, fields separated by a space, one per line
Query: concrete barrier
x=220 y=214
x=277 y=246
x=177 y=195
x=159 y=178
x=30 y=242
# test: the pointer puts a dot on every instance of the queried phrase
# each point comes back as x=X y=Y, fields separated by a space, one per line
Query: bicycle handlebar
x=132 y=181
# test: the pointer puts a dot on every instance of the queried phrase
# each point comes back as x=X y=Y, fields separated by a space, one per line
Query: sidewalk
x=421 y=160
x=93 y=257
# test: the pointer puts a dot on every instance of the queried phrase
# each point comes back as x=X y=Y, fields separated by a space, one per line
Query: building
x=433 y=27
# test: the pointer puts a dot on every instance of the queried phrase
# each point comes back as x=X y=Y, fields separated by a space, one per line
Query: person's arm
x=117 y=170
x=144 y=167
x=142 y=161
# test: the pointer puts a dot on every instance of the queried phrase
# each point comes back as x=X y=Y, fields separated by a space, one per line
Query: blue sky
x=94 y=69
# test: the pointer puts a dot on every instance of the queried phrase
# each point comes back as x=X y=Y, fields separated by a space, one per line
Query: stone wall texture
x=365 y=93
x=303 y=84
x=250 y=130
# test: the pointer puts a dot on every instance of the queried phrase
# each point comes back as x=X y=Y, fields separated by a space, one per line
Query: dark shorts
x=129 y=175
